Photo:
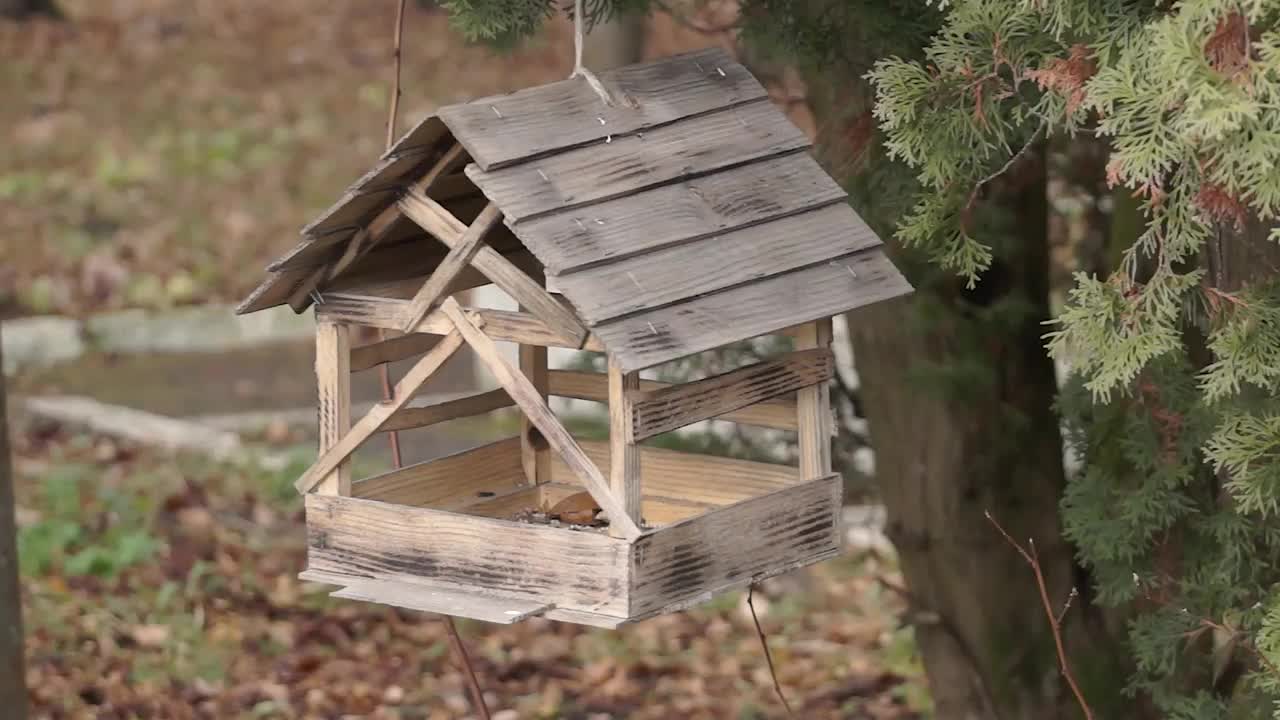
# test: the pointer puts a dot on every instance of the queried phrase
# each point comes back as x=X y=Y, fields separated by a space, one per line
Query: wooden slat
x=407 y=418
x=693 y=560
x=658 y=411
x=672 y=274
x=534 y=454
x=459 y=257
x=381 y=312
x=779 y=413
x=691 y=147
x=690 y=477
x=656 y=510
x=390 y=350
x=439 y=222
x=504 y=507
x=333 y=385
x=813 y=404
x=624 y=455
x=369 y=424
x=504 y=129
x=657 y=336
x=363 y=538
x=681 y=212
x=532 y=404
x=402 y=280
x=424 y=597
x=449 y=482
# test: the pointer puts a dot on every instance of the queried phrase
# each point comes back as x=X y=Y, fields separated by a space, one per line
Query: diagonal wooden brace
x=441 y=223
x=469 y=243
x=381 y=413
x=536 y=409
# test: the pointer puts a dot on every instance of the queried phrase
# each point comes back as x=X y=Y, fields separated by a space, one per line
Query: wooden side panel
x=504 y=325
x=366 y=539
x=691 y=561
x=690 y=477
x=655 y=509
x=424 y=597
x=333 y=385
x=659 y=411
x=681 y=212
x=657 y=336
x=504 y=129
x=779 y=413
x=672 y=274
x=449 y=482
x=692 y=147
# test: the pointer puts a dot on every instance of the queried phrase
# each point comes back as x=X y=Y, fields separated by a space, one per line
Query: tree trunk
x=13 y=693
x=19 y=9
x=985 y=439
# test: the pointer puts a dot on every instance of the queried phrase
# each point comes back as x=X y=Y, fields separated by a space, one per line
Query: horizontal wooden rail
x=390 y=350
x=502 y=325
x=449 y=482
x=407 y=418
x=665 y=409
x=778 y=413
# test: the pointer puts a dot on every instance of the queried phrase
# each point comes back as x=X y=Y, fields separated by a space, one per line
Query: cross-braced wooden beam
x=535 y=408
x=441 y=223
x=460 y=255
x=332 y=457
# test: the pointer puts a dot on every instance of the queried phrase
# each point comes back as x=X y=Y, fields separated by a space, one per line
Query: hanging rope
x=580 y=70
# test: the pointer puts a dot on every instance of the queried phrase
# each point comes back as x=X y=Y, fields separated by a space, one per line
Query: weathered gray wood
x=13 y=688
x=672 y=274
x=390 y=350
x=535 y=408
x=830 y=288
x=680 y=212
x=659 y=411
x=504 y=129
x=382 y=312
x=449 y=482
x=702 y=556
x=459 y=257
x=624 y=454
x=813 y=409
x=425 y=597
x=779 y=413
x=407 y=418
x=574 y=570
x=330 y=458
x=691 y=147
x=333 y=399
x=531 y=295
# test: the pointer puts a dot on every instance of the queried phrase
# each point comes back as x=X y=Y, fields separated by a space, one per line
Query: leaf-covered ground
x=161 y=587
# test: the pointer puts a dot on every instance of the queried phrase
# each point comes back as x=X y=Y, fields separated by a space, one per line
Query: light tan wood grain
x=460 y=255
x=390 y=350
x=426 y=597
x=333 y=386
x=449 y=482
x=813 y=405
x=624 y=455
x=410 y=417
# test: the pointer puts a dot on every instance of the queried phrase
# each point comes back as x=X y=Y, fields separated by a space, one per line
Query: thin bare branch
x=1033 y=559
x=768 y=656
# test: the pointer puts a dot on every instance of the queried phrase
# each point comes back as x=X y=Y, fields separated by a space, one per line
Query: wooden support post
x=813 y=405
x=624 y=455
x=534 y=453
x=333 y=382
x=13 y=689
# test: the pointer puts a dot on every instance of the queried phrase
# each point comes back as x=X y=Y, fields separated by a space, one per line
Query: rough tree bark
x=13 y=693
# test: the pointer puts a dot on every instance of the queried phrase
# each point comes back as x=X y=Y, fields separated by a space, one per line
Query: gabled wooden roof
x=685 y=216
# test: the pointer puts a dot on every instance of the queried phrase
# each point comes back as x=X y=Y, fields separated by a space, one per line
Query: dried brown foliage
x=1067 y=76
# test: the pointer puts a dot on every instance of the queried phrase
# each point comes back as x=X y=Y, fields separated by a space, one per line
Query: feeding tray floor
x=440 y=537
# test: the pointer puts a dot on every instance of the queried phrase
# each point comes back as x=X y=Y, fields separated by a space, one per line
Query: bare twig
x=1033 y=559
x=384 y=377
x=768 y=656
x=1035 y=137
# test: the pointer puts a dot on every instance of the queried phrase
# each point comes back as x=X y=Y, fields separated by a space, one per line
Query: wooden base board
x=433 y=560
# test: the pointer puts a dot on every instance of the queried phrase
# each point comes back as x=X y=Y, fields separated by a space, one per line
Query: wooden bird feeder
x=684 y=217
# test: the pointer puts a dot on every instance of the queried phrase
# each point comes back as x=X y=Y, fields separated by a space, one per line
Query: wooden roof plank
x=684 y=271
x=374 y=190
x=505 y=129
x=657 y=336
x=690 y=148
x=680 y=212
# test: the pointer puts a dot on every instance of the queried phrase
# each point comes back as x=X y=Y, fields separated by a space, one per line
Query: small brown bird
x=576 y=509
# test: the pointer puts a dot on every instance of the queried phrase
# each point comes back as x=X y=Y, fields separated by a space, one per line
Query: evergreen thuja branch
x=1055 y=625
